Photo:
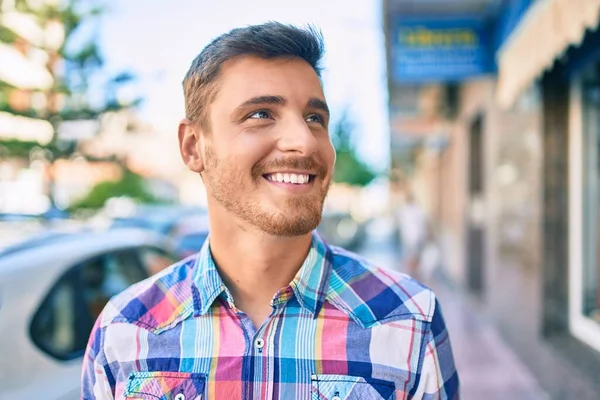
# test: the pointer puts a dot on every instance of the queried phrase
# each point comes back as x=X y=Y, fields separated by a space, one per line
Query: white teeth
x=298 y=179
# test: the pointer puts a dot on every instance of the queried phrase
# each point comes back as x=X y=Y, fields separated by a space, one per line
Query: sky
x=157 y=40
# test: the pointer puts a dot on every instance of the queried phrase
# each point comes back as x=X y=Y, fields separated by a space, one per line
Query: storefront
x=584 y=263
x=556 y=47
x=516 y=191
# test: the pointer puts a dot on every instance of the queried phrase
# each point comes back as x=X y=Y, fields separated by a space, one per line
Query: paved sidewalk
x=488 y=368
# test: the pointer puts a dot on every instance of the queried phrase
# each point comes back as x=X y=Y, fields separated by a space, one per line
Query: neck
x=252 y=264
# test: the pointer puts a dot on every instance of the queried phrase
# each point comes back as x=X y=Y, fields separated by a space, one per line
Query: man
x=267 y=310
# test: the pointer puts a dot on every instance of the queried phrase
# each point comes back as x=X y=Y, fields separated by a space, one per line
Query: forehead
x=293 y=78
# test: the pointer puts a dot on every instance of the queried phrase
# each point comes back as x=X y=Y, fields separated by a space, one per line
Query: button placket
x=259 y=343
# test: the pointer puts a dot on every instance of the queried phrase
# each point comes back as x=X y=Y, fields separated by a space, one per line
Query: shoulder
x=374 y=295
x=156 y=303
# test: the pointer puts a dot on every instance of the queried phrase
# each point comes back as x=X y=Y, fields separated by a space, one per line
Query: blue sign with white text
x=440 y=50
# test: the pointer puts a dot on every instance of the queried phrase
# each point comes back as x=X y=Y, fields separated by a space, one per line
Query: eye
x=316 y=118
x=262 y=114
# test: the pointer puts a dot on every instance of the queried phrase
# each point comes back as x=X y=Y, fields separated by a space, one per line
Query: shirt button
x=259 y=343
x=180 y=396
x=336 y=398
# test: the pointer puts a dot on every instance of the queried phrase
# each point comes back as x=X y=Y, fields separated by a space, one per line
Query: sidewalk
x=488 y=368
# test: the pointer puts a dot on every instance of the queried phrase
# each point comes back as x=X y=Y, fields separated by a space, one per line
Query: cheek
x=250 y=148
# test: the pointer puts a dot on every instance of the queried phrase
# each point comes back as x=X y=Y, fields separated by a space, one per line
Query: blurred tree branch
x=349 y=168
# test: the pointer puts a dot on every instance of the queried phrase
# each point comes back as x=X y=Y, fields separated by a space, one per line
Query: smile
x=293 y=178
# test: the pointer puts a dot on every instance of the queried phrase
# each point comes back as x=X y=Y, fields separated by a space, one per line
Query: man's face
x=268 y=157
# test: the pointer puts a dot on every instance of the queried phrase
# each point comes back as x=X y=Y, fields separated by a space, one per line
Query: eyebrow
x=313 y=102
x=258 y=100
x=318 y=104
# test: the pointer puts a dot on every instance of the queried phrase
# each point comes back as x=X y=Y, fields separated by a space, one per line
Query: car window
x=64 y=320
x=155 y=260
x=106 y=276
x=53 y=327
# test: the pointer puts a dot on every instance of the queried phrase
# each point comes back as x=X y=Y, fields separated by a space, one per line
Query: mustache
x=300 y=163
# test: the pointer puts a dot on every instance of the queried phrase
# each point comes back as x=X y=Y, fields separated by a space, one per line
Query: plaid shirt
x=342 y=329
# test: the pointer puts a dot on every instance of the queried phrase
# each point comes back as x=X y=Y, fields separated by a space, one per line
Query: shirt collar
x=309 y=285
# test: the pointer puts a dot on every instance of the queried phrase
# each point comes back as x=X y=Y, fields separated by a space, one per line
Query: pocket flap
x=346 y=387
x=165 y=386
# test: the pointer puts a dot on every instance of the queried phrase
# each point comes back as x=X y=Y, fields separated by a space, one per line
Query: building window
x=591 y=200
x=585 y=208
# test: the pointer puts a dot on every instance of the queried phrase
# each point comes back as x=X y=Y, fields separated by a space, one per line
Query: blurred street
x=487 y=366
x=466 y=136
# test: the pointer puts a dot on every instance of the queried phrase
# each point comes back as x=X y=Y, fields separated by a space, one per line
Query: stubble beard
x=302 y=213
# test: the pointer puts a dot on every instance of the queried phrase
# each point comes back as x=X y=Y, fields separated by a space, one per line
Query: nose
x=297 y=137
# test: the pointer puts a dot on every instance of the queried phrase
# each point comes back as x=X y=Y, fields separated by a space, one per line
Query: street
x=488 y=368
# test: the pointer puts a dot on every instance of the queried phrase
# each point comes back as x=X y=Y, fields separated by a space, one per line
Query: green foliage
x=81 y=60
x=349 y=168
x=130 y=185
x=17 y=148
x=6 y=35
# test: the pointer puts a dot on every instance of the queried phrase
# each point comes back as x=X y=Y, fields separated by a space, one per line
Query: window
x=591 y=202
x=62 y=325
x=584 y=275
x=54 y=328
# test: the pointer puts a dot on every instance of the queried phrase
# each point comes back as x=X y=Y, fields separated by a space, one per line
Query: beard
x=228 y=186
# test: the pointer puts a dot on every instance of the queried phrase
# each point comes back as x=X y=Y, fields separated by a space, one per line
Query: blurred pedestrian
x=412 y=223
x=267 y=309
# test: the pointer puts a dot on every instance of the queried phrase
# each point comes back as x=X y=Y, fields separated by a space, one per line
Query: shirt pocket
x=165 y=386
x=346 y=387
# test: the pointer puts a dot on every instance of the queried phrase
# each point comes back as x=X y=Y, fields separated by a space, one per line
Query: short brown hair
x=270 y=40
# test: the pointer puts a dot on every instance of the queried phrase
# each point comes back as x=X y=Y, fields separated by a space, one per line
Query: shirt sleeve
x=95 y=384
x=439 y=378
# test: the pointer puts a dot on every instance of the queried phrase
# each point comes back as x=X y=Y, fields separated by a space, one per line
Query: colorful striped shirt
x=342 y=329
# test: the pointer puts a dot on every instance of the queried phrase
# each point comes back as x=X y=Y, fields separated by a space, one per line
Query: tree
x=349 y=168
x=130 y=185
x=73 y=61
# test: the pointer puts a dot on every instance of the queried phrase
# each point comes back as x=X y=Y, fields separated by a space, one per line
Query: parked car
x=13 y=232
x=161 y=219
x=52 y=289
x=189 y=234
x=186 y=226
x=53 y=213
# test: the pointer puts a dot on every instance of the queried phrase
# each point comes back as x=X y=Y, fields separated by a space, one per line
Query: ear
x=190 y=137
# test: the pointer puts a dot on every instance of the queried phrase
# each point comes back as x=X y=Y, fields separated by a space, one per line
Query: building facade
x=505 y=159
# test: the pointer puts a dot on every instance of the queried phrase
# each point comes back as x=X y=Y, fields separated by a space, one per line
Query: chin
x=286 y=226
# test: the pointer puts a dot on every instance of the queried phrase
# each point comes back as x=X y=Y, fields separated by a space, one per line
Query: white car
x=51 y=290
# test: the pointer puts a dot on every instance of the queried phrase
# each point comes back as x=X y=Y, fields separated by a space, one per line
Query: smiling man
x=267 y=310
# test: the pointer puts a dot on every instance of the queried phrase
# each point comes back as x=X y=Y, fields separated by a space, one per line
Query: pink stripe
x=228 y=375
x=138 y=347
x=334 y=341
x=410 y=353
